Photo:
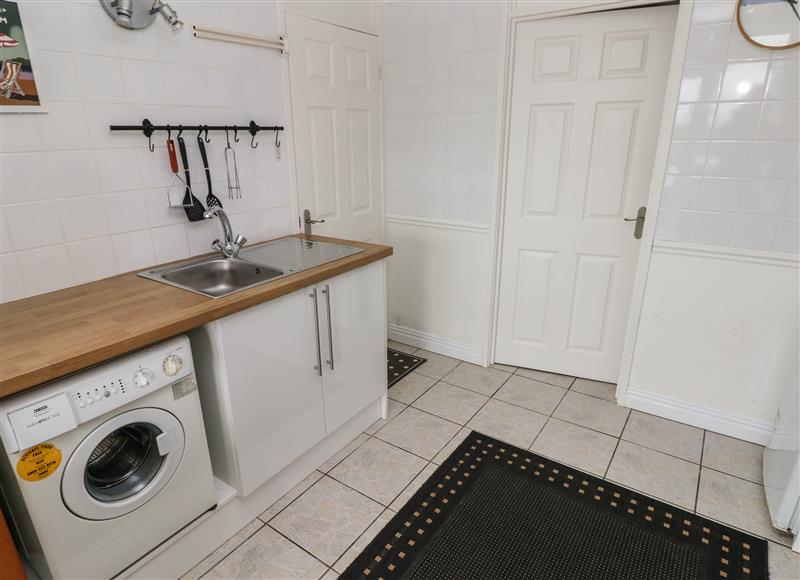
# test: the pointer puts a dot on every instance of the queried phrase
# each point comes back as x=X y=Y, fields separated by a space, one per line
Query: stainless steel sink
x=215 y=277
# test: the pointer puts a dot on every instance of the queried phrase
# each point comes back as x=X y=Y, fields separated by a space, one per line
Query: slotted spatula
x=211 y=199
x=192 y=206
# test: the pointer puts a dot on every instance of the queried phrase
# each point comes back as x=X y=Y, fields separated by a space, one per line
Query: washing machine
x=101 y=467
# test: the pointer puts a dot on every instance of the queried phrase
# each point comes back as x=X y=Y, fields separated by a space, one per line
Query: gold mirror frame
x=753 y=42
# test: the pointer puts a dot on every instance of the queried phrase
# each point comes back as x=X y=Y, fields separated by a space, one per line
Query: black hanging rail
x=147 y=128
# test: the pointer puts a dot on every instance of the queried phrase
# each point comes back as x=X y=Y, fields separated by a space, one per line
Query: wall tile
x=11 y=286
x=675 y=225
x=774 y=159
x=100 y=78
x=687 y=157
x=680 y=192
x=32 y=225
x=736 y=120
x=170 y=242
x=784 y=79
x=713 y=228
x=21 y=178
x=765 y=196
x=64 y=126
x=90 y=29
x=693 y=121
x=45 y=269
x=92 y=259
x=728 y=158
x=787 y=238
x=69 y=173
x=118 y=169
x=126 y=211
x=83 y=217
x=133 y=250
x=710 y=12
x=744 y=81
x=754 y=232
x=720 y=194
x=700 y=82
x=44 y=26
x=708 y=43
x=56 y=73
x=779 y=120
x=142 y=81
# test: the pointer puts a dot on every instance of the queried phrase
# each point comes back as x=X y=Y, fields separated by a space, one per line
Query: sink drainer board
x=400 y=364
x=493 y=511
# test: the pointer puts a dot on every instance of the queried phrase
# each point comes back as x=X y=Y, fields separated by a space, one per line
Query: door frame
x=663 y=140
x=284 y=9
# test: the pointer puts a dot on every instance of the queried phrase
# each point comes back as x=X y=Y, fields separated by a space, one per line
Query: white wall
x=722 y=289
x=79 y=203
x=442 y=65
x=733 y=165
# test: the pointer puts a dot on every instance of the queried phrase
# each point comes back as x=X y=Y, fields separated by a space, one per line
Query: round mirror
x=771 y=24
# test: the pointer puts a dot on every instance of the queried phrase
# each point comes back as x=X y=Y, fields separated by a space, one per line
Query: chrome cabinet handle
x=318 y=366
x=327 y=293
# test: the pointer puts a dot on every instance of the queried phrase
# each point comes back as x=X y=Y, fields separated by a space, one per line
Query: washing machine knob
x=143 y=378
x=172 y=365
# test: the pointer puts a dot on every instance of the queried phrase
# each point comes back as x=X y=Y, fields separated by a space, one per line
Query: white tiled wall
x=442 y=64
x=79 y=203
x=732 y=175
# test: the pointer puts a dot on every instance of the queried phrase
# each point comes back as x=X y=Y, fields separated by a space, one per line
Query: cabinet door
x=353 y=333
x=275 y=394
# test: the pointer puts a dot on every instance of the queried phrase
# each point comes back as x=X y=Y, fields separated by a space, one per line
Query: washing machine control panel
x=92 y=393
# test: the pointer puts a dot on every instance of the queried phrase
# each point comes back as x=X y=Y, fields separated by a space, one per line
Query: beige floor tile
x=334 y=460
x=563 y=381
x=734 y=456
x=410 y=387
x=217 y=555
x=418 y=432
x=412 y=487
x=504 y=368
x=476 y=378
x=657 y=474
x=784 y=564
x=592 y=412
x=331 y=574
x=289 y=497
x=378 y=470
x=738 y=503
x=533 y=395
x=452 y=403
x=579 y=447
x=327 y=518
x=664 y=435
x=451 y=446
x=394 y=409
x=363 y=541
x=268 y=555
x=508 y=423
x=605 y=391
x=437 y=365
x=394 y=345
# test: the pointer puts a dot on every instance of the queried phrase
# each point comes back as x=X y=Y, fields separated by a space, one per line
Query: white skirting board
x=438 y=344
x=711 y=419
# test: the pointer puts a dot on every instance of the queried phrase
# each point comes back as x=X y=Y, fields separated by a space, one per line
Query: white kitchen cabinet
x=353 y=339
x=276 y=378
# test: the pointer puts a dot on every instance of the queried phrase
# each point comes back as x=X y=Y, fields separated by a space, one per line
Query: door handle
x=327 y=292
x=166 y=443
x=318 y=366
x=639 y=219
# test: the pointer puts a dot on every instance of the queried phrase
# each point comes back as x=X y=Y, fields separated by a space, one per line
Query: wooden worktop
x=52 y=335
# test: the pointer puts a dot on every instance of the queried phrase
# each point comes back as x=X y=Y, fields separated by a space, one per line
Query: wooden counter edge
x=207 y=311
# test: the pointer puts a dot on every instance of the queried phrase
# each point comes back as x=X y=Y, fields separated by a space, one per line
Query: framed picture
x=18 y=90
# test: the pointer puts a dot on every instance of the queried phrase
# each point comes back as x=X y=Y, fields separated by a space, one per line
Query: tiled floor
x=319 y=527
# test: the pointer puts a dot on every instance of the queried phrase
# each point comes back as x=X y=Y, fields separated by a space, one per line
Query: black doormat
x=400 y=364
x=494 y=511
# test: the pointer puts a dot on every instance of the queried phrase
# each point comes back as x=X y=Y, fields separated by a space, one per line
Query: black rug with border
x=495 y=511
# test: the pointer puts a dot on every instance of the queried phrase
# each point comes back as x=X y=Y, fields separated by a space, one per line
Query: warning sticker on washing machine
x=39 y=462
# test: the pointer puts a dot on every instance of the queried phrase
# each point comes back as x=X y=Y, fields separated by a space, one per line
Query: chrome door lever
x=639 y=219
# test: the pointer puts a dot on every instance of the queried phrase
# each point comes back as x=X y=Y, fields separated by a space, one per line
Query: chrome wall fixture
x=137 y=14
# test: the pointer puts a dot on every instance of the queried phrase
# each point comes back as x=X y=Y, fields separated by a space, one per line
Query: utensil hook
x=227 y=138
x=207 y=140
x=169 y=133
x=253 y=130
x=147 y=129
x=236 y=134
x=180 y=131
x=277 y=140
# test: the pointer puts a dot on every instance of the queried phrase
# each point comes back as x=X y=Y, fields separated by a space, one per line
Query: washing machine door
x=123 y=464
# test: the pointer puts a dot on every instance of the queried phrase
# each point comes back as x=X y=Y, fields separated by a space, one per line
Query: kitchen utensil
x=211 y=199
x=234 y=189
x=176 y=182
x=192 y=206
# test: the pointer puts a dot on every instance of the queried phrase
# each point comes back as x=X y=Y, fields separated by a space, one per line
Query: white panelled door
x=585 y=114
x=336 y=112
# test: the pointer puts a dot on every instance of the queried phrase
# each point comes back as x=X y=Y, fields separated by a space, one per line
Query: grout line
x=317 y=558
x=605 y=474
x=699 y=472
x=233 y=550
